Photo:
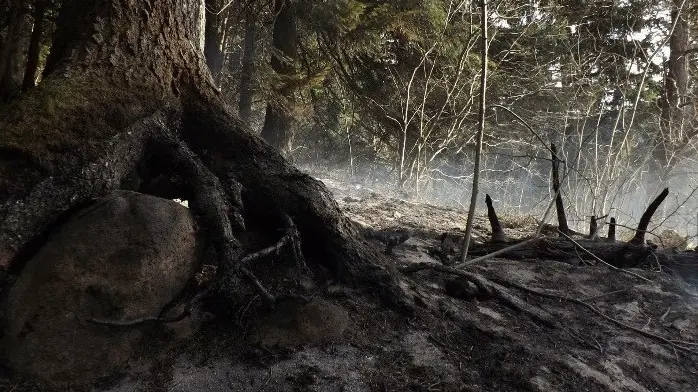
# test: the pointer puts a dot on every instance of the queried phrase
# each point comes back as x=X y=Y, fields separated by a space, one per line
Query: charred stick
x=497 y=232
x=559 y=206
x=612 y=230
x=288 y=238
x=268 y=297
x=188 y=310
x=593 y=227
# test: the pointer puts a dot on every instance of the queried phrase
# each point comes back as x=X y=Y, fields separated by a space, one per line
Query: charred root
x=203 y=156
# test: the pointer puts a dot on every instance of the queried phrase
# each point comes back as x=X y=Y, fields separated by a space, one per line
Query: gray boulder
x=123 y=258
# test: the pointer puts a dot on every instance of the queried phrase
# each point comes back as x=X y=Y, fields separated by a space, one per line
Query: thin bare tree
x=480 y=133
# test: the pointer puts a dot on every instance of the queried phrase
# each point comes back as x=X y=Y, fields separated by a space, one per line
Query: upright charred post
x=559 y=206
x=593 y=227
x=497 y=232
x=612 y=231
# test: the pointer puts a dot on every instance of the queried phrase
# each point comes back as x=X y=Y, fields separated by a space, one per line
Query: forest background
x=384 y=95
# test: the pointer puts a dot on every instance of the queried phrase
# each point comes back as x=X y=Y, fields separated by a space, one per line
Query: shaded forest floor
x=340 y=341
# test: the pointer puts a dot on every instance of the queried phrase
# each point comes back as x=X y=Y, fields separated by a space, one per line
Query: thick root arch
x=229 y=177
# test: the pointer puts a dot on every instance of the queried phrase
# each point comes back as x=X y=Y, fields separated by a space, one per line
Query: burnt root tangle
x=235 y=184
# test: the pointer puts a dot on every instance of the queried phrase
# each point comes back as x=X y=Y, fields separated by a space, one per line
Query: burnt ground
x=339 y=340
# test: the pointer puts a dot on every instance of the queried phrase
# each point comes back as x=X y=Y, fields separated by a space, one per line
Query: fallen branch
x=597 y=258
x=521 y=244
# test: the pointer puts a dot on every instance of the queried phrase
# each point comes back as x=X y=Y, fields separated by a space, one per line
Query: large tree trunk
x=129 y=103
x=278 y=120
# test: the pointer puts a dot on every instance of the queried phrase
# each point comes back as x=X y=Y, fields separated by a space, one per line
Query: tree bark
x=278 y=120
x=128 y=101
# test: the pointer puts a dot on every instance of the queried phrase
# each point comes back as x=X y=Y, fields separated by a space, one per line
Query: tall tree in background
x=34 y=44
x=676 y=129
x=245 y=92
x=12 y=49
x=278 y=118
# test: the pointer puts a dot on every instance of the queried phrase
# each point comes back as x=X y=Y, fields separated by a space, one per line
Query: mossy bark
x=126 y=88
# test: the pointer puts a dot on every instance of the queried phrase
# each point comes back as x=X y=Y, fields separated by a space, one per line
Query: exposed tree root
x=228 y=176
x=679 y=346
x=490 y=288
x=497 y=289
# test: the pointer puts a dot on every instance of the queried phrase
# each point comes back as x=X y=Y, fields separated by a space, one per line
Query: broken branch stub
x=639 y=237
x=497 y=231
x=559 y=206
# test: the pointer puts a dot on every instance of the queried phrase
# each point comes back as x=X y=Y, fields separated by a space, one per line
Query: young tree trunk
x=246 y=73
x=129 y=103
x=481 y=130
x=278 y=120
x=34 y=45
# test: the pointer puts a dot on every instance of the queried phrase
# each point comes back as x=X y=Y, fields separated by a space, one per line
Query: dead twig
x=188 y=310
x=595 y=297
x=291 y=237
x=268 y=297
x=266 y=251
x=662 y=339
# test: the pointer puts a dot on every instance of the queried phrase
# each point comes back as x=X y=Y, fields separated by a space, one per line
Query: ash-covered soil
x=338 y=340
